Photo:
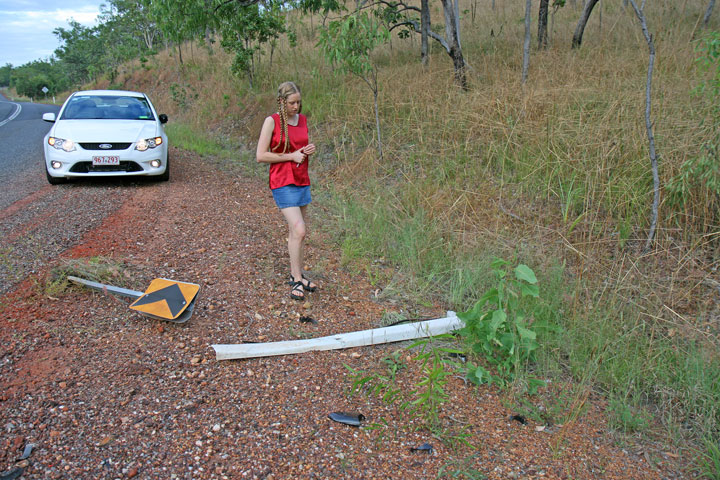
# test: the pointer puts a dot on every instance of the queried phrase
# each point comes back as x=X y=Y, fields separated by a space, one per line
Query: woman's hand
x=298 y=156
x=308 y=149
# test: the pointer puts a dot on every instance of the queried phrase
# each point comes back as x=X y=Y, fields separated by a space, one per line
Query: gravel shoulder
x=103 y=392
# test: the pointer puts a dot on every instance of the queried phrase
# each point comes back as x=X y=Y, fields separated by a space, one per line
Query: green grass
x=185 y=137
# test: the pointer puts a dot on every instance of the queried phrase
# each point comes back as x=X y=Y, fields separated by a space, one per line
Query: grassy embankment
x=554 y=174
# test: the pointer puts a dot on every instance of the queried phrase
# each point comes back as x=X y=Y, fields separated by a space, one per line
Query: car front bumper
x=79 y=163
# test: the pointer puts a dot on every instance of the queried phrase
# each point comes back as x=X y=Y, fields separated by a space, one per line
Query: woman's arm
x=263 y=153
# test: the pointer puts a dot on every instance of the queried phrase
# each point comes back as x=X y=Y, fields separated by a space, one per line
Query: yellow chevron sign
x=166 y=298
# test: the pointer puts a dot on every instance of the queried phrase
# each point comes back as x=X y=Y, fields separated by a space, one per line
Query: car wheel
x=55 y=180
x=165 y=176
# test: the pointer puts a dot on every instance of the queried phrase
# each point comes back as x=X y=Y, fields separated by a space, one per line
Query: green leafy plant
x=430 y=392
x=626 y=418
x=498 y=328
x=381 y=385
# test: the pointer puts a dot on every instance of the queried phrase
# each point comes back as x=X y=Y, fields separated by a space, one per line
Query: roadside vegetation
x=552 y=175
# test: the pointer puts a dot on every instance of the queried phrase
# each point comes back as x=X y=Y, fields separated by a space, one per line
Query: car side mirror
x=163 y=118
x=49 y=117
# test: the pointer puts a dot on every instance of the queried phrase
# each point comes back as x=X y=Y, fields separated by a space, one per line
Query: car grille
x=88 y=167
x=96 y=146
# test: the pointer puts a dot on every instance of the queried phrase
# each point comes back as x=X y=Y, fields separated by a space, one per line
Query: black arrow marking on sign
x=171 y=294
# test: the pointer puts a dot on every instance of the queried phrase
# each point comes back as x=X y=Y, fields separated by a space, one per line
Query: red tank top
x=289 y=173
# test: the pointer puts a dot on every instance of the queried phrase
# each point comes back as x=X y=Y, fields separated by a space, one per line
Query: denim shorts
x=291 y=196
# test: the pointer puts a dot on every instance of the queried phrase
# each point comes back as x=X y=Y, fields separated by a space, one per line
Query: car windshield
x=108 y=107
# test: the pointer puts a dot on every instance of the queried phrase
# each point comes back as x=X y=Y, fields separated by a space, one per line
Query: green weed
x=429 y=393
x=499 y=330
x=461 y=468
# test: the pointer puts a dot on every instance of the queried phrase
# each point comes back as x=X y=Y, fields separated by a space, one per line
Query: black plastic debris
x=308 y=320
x=519 y=418
x=425 y=447
x=28 y=450
x=352 y=419
x=12 y=474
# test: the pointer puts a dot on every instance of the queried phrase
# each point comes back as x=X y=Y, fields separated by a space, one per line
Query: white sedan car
x=101 y=133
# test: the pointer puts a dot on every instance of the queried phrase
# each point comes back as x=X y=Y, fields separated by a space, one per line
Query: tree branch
x=416 y=29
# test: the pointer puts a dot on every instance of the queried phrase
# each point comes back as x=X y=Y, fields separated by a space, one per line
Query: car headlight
x=143 y=145
x=61 y=144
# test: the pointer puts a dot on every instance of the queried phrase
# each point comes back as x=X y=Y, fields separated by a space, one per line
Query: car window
x=110 y=107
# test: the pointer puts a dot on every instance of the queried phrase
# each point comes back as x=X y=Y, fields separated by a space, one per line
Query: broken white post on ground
x=375 y=336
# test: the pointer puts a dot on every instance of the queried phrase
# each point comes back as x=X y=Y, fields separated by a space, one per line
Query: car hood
x=105 y=130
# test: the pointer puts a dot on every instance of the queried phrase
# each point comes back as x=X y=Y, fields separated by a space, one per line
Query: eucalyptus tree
x=349 y=43
x=245 y=28
x=244 y=25
x=181 y=20
x=5 y=75
x=639 y=12
x=584 y=17
x=708 y=12
x=82 y=52
x=403 y=16
x=542 y=24
x=526 y=43
x=134 y=18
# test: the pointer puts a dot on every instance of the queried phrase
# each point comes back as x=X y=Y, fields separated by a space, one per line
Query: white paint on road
x=17 y=111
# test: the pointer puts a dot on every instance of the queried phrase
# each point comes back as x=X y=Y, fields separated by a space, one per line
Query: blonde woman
x=284 y=145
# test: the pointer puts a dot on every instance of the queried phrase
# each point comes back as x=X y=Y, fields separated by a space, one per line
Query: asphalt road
x=21 y=159
x=39 y=221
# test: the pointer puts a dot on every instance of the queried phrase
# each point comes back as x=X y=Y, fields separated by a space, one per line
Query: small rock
x=216 y=427
x=258 y=316
x=132 y=472
x=195 y=360
x=106 y=439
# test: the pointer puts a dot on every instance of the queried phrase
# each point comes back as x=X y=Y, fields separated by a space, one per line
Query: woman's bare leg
x=296 y=236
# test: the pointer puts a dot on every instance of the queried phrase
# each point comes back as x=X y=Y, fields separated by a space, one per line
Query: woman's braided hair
x=284 y=91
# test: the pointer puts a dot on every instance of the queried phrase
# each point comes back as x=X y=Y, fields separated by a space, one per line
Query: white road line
x=15 y=114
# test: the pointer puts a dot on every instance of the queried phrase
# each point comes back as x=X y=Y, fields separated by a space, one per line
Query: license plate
x=106 y=160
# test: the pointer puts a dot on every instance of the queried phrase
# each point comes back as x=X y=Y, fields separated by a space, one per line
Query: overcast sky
x=26 y=26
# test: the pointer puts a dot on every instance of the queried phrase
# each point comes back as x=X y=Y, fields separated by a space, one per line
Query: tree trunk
x=377 y=124
x=526 y=45
x=708 y=12
x=649 y=127
x=454 y=44
x=457 y=21
x=580 y=29
x=542 y=25
x=424 y=29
